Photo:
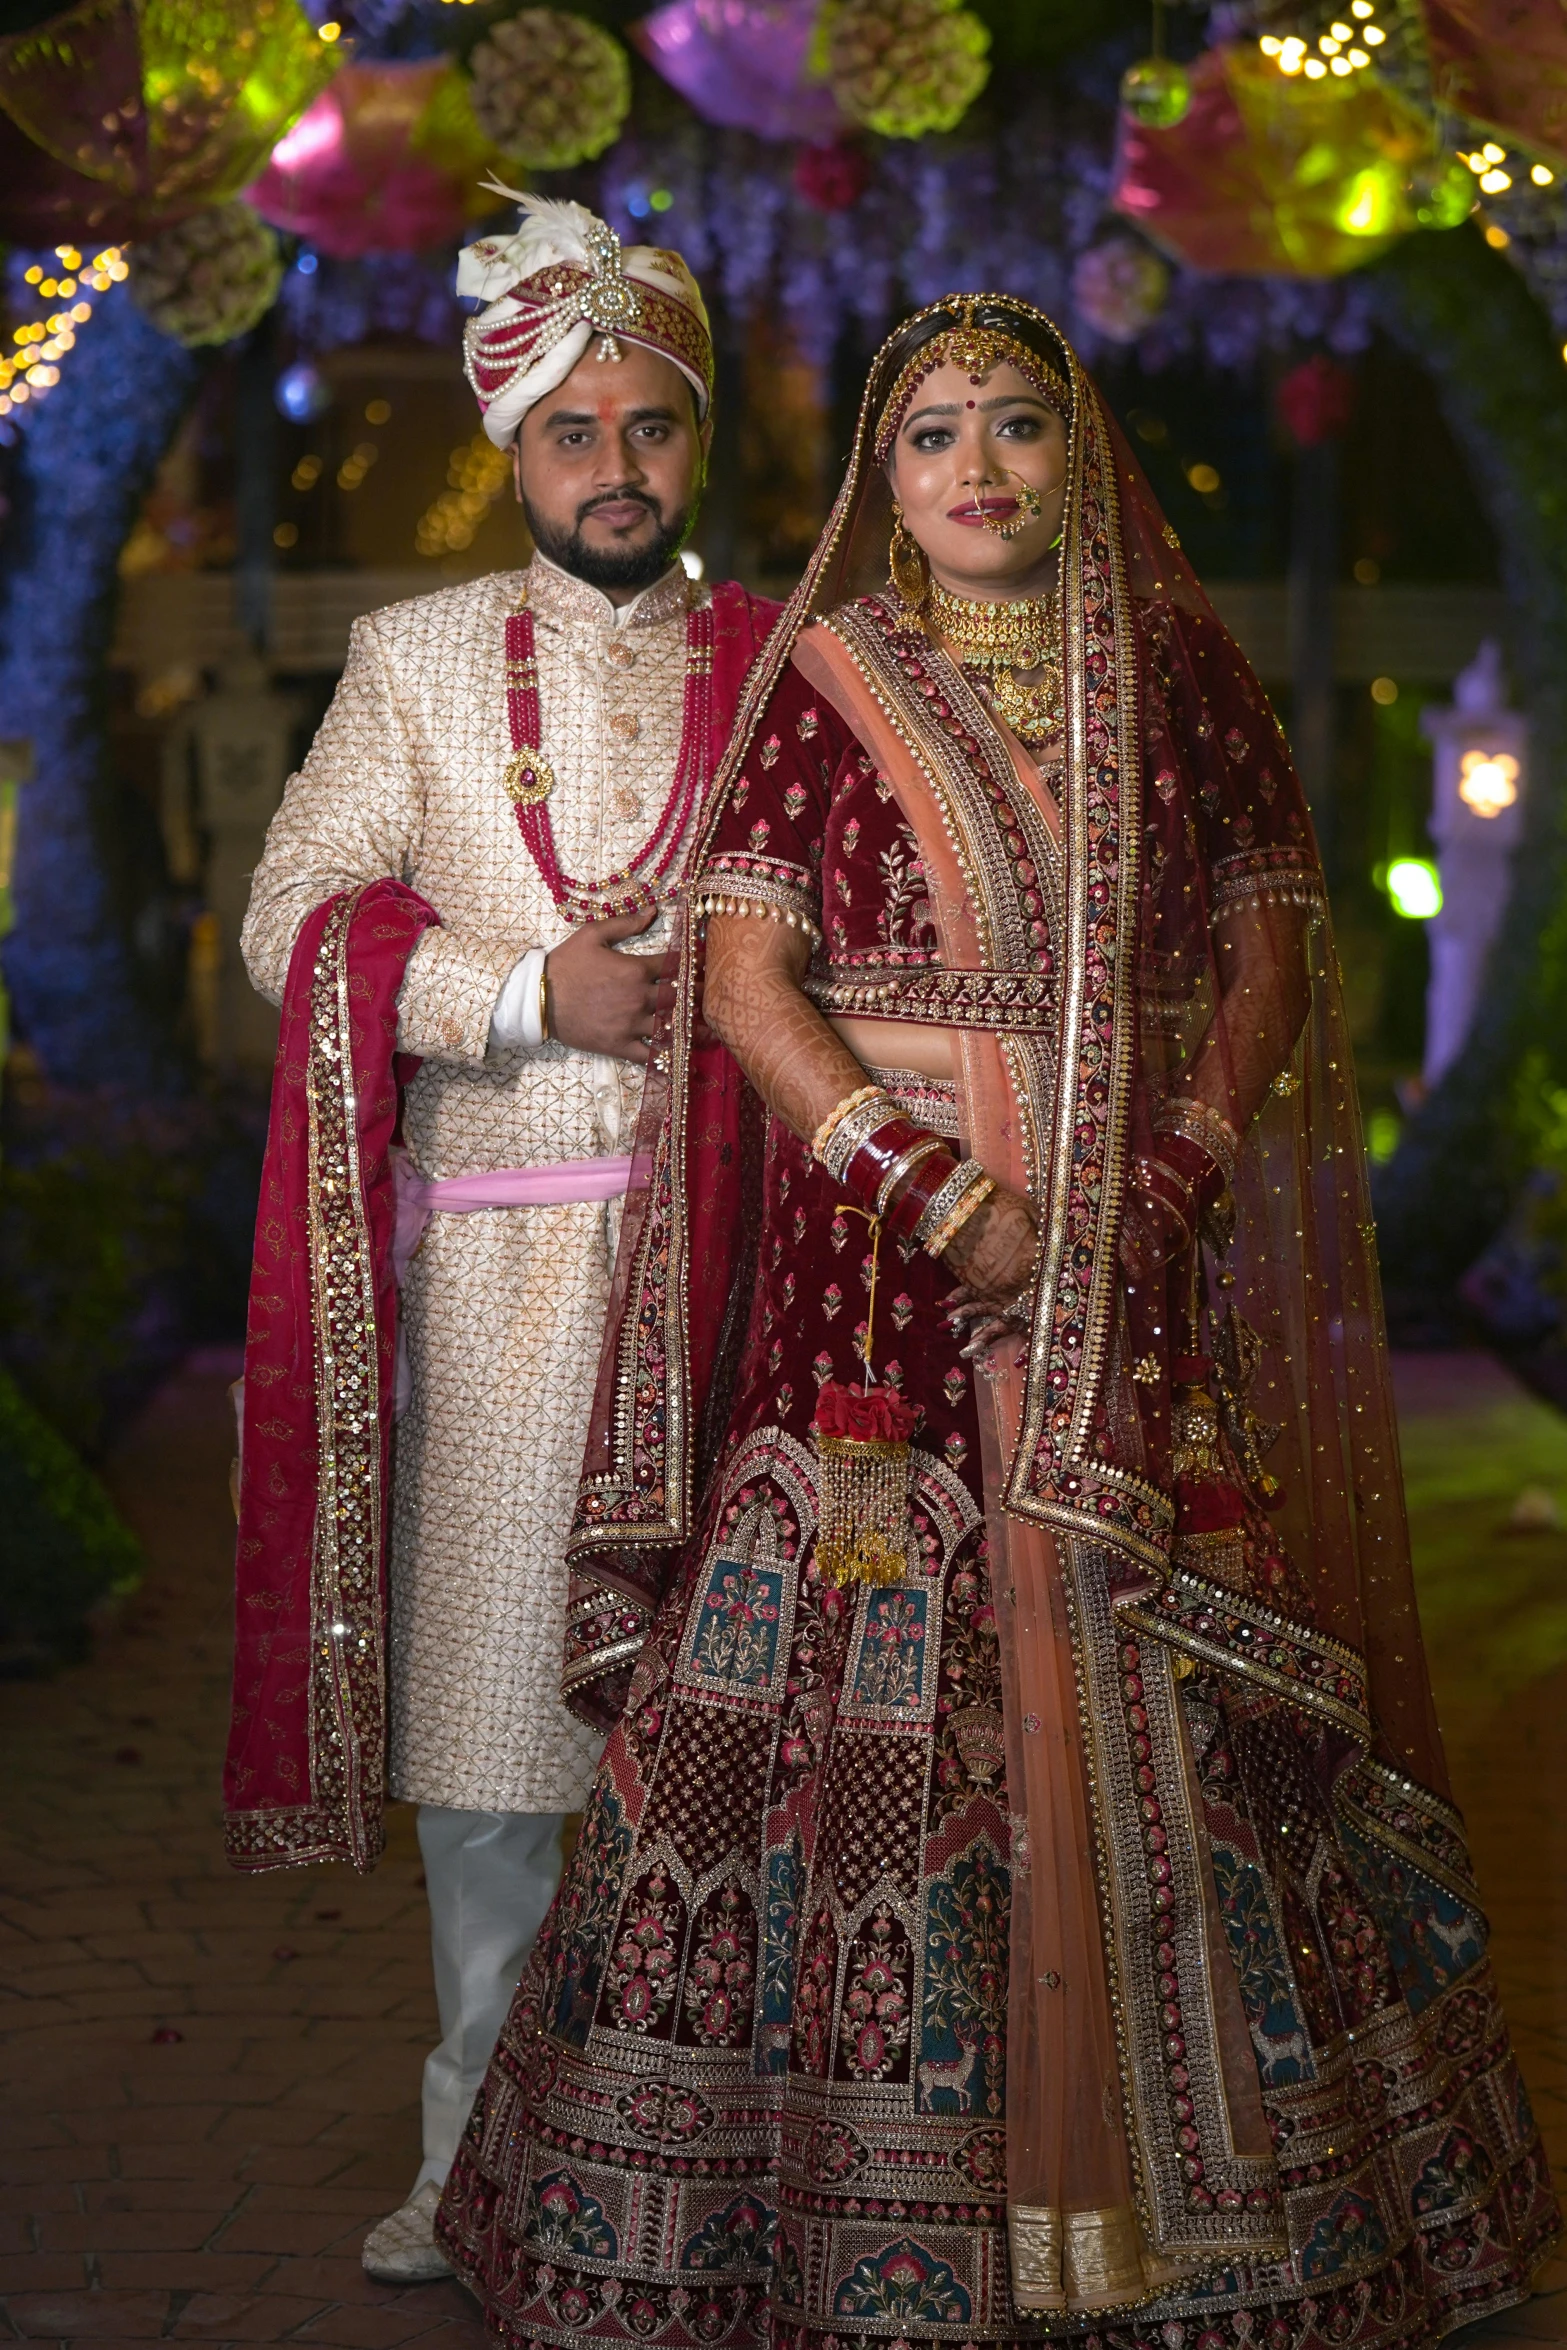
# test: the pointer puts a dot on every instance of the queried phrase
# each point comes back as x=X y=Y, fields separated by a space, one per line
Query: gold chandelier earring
x=906 y=564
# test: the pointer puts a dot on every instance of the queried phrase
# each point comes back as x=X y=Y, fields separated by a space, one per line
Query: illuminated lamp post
x=1480 y=750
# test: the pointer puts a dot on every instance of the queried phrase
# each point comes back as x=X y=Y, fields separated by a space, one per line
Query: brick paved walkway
x=209 y=2083
x=212 y=2088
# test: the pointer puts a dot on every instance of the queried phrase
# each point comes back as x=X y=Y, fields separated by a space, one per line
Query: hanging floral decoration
x=208 y=278
x=387 y=160
x=1269 y=175
x=743 y=64
x=148 y=109
x=550 y=89
x=903 y=67
x=832 y=178
x=1316 y=401
x=1016 y=208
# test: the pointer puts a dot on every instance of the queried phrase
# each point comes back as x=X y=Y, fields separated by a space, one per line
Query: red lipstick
x=975 y=513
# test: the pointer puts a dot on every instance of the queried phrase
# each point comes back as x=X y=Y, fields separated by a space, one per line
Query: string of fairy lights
x=1343 y=49
x=30 y=368
x=1348 y=46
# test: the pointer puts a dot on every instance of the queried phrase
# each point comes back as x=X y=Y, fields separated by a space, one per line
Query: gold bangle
x=544 y=1001
x=835 y=1117
x=947 y=1231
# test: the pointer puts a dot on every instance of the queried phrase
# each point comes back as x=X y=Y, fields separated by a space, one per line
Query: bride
x=1021 y=1892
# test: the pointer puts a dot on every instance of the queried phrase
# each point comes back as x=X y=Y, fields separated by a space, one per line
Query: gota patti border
x=1199 y=2195
x=346 y=1719
x=1412 y=1822
x=1255 y=1645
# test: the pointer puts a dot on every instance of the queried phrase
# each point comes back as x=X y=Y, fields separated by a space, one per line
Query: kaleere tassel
x=862 y=1443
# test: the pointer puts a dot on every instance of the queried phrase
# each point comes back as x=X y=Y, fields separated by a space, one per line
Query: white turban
x=563 y=278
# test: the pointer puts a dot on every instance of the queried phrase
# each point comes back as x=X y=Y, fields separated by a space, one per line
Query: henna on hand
x=752 y=997
x=980 y=1323
x=603 y=1001
x=993 y=1255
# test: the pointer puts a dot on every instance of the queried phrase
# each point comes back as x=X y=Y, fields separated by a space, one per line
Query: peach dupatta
x=1076 y=2240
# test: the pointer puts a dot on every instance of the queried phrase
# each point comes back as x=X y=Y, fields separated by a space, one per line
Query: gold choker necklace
x=1003 y=641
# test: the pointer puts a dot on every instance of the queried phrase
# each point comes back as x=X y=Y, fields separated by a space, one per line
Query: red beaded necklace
x=530 y=779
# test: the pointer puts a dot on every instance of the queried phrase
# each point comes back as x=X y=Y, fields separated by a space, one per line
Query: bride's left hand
x=980 y=1321
x=1151 y=1235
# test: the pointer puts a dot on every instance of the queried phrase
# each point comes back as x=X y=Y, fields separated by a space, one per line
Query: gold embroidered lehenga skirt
x=754 y=2083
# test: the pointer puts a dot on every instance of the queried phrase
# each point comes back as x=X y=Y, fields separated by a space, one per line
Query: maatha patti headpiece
x=977 y=350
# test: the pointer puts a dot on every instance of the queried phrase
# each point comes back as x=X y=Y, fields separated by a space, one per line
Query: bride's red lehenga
x=1077 y=1935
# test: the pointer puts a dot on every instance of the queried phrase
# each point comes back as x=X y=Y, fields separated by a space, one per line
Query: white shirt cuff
x=515 y=1019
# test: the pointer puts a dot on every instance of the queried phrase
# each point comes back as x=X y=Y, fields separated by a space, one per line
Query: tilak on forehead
x=978 y=350
x=561 y=280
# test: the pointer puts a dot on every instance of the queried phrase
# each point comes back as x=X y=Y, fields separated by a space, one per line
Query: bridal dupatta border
x=304 y=1779
x=628 y=1507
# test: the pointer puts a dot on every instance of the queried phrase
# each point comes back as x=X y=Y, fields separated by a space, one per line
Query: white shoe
x=401 y=2249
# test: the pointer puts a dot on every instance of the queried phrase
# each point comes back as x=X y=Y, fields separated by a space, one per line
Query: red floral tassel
x=862 y=1443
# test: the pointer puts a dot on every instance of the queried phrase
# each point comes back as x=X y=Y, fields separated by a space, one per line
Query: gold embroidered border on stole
x=347 y=1649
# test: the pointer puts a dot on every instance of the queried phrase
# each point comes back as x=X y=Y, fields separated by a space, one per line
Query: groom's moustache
x=619 y=498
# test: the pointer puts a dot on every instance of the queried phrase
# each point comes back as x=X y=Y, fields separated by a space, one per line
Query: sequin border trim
x=1289 y=1660
x=344 y=1819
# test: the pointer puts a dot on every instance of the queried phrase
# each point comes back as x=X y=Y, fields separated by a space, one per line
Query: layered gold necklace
x=1007 y=644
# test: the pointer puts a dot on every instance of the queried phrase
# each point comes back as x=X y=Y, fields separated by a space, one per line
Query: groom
x=527 y=752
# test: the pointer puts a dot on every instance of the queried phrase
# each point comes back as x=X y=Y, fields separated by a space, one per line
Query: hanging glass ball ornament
x=1442 y=192
x=1156 y=91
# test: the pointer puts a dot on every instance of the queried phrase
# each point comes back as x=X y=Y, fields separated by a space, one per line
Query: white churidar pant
x=490 y=1877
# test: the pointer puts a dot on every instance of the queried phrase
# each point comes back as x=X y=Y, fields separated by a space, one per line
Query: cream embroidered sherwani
x=503 y=1311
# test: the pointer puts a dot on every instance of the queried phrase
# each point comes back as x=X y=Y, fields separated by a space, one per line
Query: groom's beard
x=611 y=567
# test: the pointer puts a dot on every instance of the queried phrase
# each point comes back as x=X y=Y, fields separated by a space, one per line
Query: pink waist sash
x=506 y=1187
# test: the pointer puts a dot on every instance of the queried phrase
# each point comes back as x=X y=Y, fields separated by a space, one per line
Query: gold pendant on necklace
x=1034 y=712
x=529 y=780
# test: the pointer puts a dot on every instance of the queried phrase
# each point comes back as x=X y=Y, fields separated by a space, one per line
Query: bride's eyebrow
x=1002 y=400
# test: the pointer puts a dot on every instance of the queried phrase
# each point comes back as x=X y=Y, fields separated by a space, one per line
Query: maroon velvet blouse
x=812 y=829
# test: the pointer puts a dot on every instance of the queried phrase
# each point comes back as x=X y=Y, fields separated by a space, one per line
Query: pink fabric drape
x=1069 y=2173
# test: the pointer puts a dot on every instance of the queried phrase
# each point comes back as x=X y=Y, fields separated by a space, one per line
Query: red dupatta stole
x=304 y=1775
x=1191 y=965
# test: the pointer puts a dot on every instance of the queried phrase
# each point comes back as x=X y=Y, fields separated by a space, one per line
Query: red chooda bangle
x=873 y=1160
x=914 y=1197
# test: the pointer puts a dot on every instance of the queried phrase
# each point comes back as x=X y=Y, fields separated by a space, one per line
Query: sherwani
x=503 y=1310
